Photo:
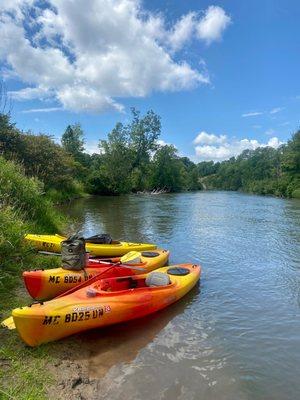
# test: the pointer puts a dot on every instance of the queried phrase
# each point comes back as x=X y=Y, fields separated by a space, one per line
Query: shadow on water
x=121 y=343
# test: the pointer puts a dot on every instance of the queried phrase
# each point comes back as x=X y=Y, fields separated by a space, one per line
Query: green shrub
x=76 y=190
x=26 y=196
x=296 y=194
x=23 y=208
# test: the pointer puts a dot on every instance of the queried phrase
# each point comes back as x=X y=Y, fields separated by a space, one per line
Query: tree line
x=129 y=160
x=266 y=171
x=132 y=159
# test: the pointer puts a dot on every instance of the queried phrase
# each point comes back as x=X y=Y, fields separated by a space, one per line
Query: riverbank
x=23 y=208
x=41 y=373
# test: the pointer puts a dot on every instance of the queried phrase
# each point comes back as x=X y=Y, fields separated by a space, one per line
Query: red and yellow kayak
x=52 y=243
x=107 y=301
x=46 y=284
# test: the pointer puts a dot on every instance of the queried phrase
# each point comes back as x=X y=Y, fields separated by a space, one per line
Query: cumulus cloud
x=182 y=31
x=206 y=138
x=213 y=24
x=219 y=148
x=88 y=58
x=29 y=93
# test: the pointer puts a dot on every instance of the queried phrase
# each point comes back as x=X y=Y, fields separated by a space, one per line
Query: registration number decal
x=85 y=314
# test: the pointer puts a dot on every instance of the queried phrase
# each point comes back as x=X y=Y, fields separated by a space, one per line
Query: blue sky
x=223 y=75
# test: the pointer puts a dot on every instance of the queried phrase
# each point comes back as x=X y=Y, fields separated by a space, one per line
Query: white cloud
x=162 y=143
x=182 y=31
x=88 y=58
x=255 y=113
x=213 y=24
x=252 y=114
x=274 y=142
x=29 y=93
x=207 y=138
x=92 y=147
x=219 y=148
x=42 y=110
x=276 y=110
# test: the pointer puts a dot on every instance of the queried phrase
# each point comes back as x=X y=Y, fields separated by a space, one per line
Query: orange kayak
x=46 y=284
x=107 y=301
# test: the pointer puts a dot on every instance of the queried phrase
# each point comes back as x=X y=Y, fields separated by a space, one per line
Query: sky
x=223 y=75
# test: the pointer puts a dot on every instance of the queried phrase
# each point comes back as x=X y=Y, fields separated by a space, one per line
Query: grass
x=24 y=374
x=26 y=196
x=62 y=196
x=296 y=194
x=23 y=370
x=23 y=208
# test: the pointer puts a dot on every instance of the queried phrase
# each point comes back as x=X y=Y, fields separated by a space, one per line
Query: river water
x=237 y=334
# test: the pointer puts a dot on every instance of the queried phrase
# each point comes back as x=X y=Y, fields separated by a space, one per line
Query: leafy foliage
x=40 y=157
x=72 y=140
x=262 y=171
x=131 y=159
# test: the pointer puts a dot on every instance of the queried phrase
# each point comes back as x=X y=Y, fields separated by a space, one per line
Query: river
x=237 y=334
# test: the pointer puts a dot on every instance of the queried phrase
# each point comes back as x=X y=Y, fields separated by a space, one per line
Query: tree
x=116 y=161
x=143 y=133
x=291 y=155
x=125 y=162
x=48 y=161
x=73 y=142
x=167 y=169
x=10 y=138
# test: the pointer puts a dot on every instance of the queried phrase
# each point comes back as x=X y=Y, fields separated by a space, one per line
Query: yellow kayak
x=52 y=243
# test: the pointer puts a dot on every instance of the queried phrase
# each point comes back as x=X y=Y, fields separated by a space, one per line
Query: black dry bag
x=73 y=253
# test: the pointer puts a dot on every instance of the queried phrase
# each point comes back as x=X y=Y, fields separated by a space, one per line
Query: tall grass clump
x=26 y=195
x=23 y=208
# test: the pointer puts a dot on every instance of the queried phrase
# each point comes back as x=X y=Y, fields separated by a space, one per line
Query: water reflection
x=131 y=218
x=238 y=340
x=122 y=343
x=118 y=344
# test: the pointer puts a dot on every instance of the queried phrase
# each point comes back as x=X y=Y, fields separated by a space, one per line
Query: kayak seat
x=157 y=279
x=120 y=283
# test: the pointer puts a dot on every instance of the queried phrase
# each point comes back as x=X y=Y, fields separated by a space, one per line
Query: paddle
x=131 y=256
x=8 y=323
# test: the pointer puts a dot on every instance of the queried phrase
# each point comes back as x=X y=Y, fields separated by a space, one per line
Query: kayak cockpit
x=121 y=284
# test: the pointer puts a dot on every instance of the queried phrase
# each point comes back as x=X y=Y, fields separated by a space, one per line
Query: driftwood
x=154 y=191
